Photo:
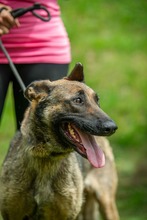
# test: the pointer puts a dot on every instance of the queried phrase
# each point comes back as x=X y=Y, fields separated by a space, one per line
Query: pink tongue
x=94 y=153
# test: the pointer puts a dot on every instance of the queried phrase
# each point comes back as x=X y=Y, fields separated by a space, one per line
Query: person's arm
x=6 y=19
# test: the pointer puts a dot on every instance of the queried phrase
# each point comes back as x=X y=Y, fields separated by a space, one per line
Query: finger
x=17 y=24
x=7 y=19
x=5 y=23
x=3 y=30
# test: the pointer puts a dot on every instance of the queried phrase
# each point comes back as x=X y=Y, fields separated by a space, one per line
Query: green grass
x=109 y=38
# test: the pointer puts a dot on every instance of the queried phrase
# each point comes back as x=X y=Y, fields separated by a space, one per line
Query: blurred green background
x=110 y=39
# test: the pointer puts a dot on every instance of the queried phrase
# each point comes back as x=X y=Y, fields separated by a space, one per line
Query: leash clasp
x=37 y=6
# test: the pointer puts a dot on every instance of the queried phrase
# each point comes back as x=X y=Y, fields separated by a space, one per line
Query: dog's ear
x=37 y=90
x=77 y=73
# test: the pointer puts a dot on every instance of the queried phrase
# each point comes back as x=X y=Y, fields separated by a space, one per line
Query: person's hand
x=6 y=20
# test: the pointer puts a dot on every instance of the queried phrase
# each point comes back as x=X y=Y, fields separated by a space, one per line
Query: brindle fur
x=41 y=177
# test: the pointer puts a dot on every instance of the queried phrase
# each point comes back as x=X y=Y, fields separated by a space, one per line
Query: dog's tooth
x=71 y=131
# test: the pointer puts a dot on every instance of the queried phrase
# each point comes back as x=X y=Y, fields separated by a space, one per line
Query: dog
x=41 y=175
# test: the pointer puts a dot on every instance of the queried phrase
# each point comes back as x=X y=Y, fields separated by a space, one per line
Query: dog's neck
x=30 y=128
x=39 y=145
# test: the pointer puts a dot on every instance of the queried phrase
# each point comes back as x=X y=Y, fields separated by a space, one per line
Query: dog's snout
x=109 y=127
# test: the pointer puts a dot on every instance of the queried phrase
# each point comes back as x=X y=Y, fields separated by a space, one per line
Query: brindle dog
x=41 y=177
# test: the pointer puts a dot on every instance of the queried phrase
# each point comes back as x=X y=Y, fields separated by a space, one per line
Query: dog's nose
x=109 y=127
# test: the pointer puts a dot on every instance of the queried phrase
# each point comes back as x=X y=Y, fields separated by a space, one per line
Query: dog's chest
x=61 y=191
x=43 y=184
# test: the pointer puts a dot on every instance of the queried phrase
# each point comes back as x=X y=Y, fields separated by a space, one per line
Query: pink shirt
x=36 y=41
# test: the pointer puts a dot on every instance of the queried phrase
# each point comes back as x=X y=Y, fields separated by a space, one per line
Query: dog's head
x=67 y=112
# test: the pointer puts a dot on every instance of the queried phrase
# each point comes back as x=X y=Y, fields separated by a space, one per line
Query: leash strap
x=17 y=13
x=15 y=72
x=21 y=11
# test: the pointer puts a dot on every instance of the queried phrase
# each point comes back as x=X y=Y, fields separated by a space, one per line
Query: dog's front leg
x=18 y=206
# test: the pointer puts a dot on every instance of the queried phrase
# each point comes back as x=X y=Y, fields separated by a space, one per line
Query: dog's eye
x=97 y=99
x=78 y=100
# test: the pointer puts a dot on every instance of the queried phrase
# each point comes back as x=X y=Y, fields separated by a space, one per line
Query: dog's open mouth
x=84 y=144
